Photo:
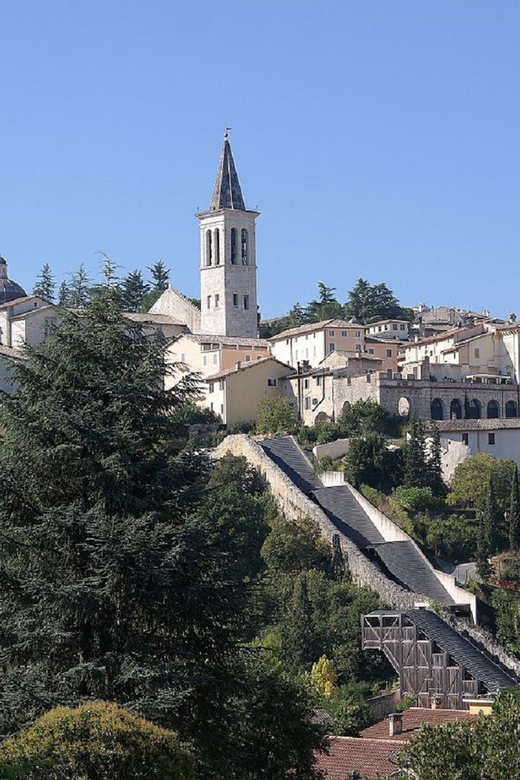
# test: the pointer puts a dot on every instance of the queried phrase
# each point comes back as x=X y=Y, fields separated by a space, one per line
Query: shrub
x=98 y=740
x=417 y=499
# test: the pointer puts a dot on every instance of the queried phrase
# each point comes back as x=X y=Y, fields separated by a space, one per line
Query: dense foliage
x=488 y=749
x=118 y=577
x=95 y=740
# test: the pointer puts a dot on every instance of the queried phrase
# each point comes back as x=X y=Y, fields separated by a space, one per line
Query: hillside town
x=444 y=385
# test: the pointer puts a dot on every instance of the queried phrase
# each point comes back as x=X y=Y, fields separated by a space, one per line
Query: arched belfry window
x=511 y=409
x=217 y=247
x=455 y=409
x=437 y=409
x=493 y=410
x=233 y=245
x=209 y=248
x=245 y=259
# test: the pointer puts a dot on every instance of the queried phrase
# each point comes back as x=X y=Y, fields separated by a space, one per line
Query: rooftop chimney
x=395 y=724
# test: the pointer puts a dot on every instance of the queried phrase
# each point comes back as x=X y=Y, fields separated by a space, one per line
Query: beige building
x=313 y=342
x=174 y=304
x=25 y=321
x=389 y=329
x=235 y=393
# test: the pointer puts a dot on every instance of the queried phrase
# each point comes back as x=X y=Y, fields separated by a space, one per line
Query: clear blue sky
x=378 y=138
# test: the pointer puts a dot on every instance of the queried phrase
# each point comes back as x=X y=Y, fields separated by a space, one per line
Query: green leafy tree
x=514 y=512
x=276 y=415
x=471 y=478
x=363 y=417
x=97 y=740
x=45 y=284
x=487 y=749
x=327 y=307
x=370 y=462
x=368 y=303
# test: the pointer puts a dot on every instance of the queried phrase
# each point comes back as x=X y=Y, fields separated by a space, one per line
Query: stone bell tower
x=228 y=257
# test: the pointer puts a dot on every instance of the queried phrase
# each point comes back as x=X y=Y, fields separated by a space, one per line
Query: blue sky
x=378 y=138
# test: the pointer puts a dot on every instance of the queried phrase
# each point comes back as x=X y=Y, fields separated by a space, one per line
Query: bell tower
x=228 y=296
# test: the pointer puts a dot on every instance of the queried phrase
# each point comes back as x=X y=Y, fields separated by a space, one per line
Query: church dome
x=9 y=290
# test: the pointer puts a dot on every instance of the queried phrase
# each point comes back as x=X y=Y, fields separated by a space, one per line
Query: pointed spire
x=227 y=193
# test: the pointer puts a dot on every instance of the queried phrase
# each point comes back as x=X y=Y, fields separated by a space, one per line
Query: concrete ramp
x=285 y=452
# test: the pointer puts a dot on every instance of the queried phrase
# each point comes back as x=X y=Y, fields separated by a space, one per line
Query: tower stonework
x=228 y=257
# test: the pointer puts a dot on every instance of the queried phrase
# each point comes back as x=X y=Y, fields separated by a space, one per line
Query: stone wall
x=294 y=504
x=384 y=705
x=334 y=449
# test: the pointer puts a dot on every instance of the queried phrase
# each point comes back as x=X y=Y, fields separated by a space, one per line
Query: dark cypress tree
x=434 y=463
x=45 y=284
x=514 y=513
x=416 y=472
x=488 y=520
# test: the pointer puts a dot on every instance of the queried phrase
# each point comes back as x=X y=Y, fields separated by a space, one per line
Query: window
x=331 y=333
x=465 y=438
x=248 y=358
x=233 y=246
x=358 y=334
x=306 y=384
x=379 y=328
x=217 y=247
x=491 y=438
x=332 y=347
x=245 y=259
x=402 y=327
x=209 y=301
x=394 y=326
x=235 y=299
x=314 y=351
x=246 y=301
x=215 y=359
x=307 y=402
x=204 y=360
x=209 y=250
x=370 y=351
x=183 y=357
x=211 y=387
x=271 y=383
x=318 y=381
x=217 y=301
x=477 y=352
x=344 y=334
x=389 y=353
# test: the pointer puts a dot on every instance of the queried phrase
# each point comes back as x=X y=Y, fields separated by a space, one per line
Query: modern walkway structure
x=434 y=662
x=396 y=555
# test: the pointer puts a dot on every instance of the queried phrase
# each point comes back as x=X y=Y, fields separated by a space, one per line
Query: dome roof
x=9 y=290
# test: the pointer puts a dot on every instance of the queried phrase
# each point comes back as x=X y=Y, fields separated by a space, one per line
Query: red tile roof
x=413 y=719
x=371 y=758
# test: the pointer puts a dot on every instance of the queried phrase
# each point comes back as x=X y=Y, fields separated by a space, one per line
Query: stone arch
x=511 y=409
x=346 y=406
x=321 y=417
x=493 y=410
x=473 y=410
x=403 y=407
x=455 y=410
x=437 y=409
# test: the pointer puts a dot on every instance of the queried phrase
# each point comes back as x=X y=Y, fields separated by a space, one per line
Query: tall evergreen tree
x=514 y=513
x=416 y=473
x=64 y=295
x=79 y=288
x=160 y=275
x=434 y=463
x=133 y=290
x=488 y=520
x=114 y=584
x=45 y=284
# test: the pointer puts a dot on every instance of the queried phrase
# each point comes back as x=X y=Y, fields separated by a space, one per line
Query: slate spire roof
x=227 y=193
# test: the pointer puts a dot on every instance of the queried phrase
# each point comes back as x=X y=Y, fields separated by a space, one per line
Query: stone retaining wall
x=294 y=504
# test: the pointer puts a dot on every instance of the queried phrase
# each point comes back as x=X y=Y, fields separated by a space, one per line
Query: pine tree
x=514 y=513
x=45 y=284
x=160 y=275
x=64 y=295
x=133 y=290
x=114 y=584
x=488 y=521
x=79 y=288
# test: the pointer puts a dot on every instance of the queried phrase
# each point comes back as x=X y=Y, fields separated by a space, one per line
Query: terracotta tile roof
x=413 y=719
x=371 y=758
x=244 y=365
